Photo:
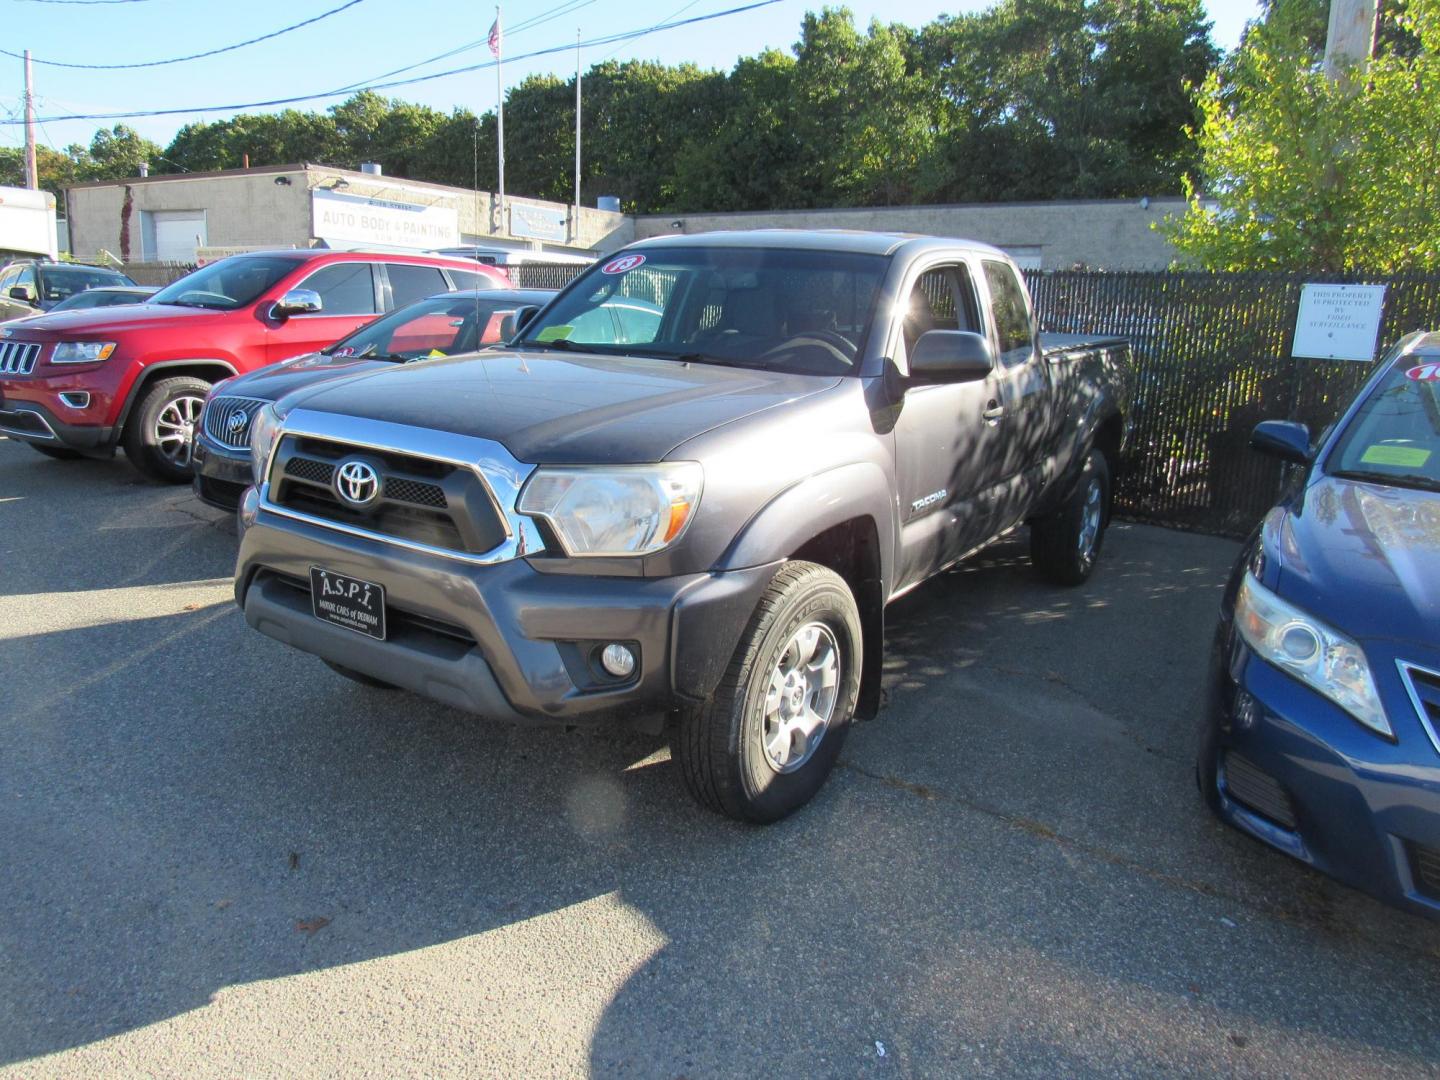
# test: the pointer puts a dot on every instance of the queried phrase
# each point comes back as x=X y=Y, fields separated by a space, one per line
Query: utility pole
x=1350 y=39
x=32 y=175
x=577 y=131
x=497 y=45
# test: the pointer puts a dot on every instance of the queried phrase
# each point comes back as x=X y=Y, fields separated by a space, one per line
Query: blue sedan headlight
x=1316 y=654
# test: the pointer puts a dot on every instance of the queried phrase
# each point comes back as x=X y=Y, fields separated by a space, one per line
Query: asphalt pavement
x=217 y=858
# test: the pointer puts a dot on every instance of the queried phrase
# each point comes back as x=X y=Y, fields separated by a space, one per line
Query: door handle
x=994 y=412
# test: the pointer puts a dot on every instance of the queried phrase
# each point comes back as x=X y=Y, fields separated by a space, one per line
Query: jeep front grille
x=227 y=420
x=18 y=357
x=420 y=500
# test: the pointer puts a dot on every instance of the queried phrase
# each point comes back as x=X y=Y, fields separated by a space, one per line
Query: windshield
x=94 y=299
x=1394 y=437
x=440 y=326
x=227 y=284
x=783 y=310
x=62 y=282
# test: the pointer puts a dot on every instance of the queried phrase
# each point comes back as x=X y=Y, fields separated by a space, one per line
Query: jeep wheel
x=358 y=676
x=59 y=453
x=766 y=740
x=159 y=437
x=1065 y=545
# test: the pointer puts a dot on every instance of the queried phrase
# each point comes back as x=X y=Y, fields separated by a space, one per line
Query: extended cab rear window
x=783 y=310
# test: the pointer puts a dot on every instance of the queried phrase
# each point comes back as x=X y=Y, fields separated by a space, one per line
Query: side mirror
x=951 y=356
x=1283 y=439
x=298 y=302
x=515 y=321
x=22 y=293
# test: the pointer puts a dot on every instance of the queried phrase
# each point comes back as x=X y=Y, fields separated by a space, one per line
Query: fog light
x=618 y=660
x=76 y=399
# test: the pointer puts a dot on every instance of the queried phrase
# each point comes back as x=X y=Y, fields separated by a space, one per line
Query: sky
x=368 y=39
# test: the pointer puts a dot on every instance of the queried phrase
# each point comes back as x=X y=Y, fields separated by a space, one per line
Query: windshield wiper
x=1405 y=480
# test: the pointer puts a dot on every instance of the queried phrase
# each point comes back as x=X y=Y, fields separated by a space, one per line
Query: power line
x=609 y=40
x=178 y=59
x=673 y=14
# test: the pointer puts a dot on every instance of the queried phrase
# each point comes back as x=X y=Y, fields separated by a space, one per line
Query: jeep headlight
x=264 y=432
x=1303 y=646
x=82 y=352
x=629 y=510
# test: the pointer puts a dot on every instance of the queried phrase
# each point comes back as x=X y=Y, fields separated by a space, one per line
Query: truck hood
x=276 y=380
x=1365 y=558
x=93 y=324
x=581 y=409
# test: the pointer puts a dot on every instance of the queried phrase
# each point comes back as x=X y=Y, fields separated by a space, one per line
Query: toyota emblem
x=237 y=422
x=357 y=483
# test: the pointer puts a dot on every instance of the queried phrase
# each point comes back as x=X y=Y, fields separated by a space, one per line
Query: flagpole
x=577 y=130
x=500 y=108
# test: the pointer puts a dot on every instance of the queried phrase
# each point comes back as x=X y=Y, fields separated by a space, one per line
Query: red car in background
x=82 y=383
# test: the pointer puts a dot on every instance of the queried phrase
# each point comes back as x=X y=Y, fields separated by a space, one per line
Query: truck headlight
x=1303 y=646
x=264 y=433
x=629 y=510
x=82 y=352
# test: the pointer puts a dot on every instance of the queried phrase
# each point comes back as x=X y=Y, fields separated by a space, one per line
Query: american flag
x=495 y=37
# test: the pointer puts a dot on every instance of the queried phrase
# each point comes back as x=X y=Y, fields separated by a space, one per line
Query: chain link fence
x=1212 y=359
x=544 y=275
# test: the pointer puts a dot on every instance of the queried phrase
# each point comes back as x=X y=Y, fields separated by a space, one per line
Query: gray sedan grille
x=18 y=357
x=228 y=419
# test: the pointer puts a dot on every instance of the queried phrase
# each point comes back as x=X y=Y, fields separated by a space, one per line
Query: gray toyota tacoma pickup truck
x=688 y=489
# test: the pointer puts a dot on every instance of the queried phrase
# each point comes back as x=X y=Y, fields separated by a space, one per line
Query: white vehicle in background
x=27 y=224
x=498 y=256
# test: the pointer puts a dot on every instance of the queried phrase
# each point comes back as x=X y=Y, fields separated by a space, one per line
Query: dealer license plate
x=349 y=602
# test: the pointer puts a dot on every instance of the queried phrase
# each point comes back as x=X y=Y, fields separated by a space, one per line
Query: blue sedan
x=1322 y=729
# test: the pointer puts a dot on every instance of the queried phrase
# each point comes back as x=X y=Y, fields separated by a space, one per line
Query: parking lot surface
x=221 y=859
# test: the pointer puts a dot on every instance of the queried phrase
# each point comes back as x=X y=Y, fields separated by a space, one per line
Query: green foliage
x=1308 y=173
x=113 y=153
x=1031 y=99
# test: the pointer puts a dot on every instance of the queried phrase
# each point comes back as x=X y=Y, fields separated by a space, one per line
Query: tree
x=1306 y=173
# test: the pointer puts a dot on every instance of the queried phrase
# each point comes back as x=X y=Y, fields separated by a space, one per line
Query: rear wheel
x=159 y=437
x=1065 y=545
x=764 y=743
x=59 y=453
x=359 y=676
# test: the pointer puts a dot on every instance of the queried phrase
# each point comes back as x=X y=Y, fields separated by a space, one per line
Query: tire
x=358 y=676
x=720 y=747
x=157 y=438
x=1065 y=546
x=59 y=453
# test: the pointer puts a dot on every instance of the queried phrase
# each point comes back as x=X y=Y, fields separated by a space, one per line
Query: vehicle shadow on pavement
x=1010 y=871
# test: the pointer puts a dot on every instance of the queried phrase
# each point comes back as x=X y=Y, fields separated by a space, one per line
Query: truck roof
x=854 y=241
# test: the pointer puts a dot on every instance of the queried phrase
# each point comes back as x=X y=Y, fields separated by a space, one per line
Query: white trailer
x=27 y=223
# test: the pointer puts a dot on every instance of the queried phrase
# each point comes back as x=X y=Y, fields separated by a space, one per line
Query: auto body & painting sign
x=356 y=219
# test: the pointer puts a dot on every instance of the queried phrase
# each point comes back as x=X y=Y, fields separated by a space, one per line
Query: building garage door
x=173 y=235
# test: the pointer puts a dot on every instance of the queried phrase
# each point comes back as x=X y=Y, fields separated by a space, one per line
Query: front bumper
x=506 y=640
x=36 y=409
x=221 y=474
x=1295 y=771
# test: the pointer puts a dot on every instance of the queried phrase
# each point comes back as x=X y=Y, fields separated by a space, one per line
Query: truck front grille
x=18 y=357
x=420 y=500
x=227 y=420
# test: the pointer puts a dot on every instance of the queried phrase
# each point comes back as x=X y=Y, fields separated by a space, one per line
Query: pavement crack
x=1294 y=915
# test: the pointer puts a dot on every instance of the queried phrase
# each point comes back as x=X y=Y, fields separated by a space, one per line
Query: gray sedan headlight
x=1318 y=655
x=628 y=510
x=264 y=433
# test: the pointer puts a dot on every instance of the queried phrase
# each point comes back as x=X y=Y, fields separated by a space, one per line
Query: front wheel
x=764 y=743
x=159 y=437
x=1065 y=545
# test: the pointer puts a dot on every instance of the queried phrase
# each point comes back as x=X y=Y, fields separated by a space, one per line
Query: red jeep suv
x=81 y=383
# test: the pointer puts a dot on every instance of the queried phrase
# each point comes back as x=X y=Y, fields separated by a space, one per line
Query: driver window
x=346 y=288
x=943 y=299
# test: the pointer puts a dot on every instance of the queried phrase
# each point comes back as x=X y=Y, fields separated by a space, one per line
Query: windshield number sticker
x=623 y=265
x=346 y=350
x=1424 y=373
x=1404 y=457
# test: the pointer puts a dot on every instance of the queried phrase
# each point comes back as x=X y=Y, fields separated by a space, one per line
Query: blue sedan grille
x=1423 y=685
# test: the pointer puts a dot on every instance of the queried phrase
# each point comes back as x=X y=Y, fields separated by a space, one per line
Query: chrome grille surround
x=18 y=357
x=219 y=411
x=500 y=474
x=1423 y=686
